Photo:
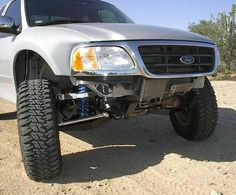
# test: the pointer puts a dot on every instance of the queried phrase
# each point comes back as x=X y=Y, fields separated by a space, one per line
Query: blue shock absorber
x=83 y=104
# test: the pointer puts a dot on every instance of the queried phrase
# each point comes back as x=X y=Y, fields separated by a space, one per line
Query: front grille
x=166 y=59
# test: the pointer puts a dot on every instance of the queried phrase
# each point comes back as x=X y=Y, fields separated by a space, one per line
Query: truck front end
x=124 y=79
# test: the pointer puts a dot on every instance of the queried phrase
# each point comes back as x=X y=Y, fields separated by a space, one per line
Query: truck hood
x=121 y=32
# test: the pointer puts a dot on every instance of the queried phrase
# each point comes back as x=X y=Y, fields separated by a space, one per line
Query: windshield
x=49 y=12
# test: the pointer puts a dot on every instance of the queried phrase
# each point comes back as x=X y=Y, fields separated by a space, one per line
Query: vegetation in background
x=221 y=29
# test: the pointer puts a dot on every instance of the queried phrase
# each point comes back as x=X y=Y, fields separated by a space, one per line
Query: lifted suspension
x=83 y=103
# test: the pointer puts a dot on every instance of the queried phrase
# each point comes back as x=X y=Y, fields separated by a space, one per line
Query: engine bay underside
x=121 y=98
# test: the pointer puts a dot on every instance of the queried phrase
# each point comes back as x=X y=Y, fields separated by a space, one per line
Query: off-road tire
x=38 y=130
x=204 y=115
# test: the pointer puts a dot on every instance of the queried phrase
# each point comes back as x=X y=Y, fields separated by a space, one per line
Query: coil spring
x=83 y=104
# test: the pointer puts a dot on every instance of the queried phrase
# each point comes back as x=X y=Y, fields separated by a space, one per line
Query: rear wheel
x=197 y=120
x=38 y=129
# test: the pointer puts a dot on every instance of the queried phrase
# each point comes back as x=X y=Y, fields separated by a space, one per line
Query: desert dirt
x=143 y=155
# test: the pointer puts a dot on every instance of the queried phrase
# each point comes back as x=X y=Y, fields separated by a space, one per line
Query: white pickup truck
x=68 y=62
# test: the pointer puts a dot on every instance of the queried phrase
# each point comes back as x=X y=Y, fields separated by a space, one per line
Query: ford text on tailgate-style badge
x=187 y=59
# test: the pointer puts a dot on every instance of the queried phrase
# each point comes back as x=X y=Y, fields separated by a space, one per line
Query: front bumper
x=140 y=69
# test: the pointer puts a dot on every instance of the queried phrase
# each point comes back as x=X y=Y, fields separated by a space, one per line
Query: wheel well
x=30 y=65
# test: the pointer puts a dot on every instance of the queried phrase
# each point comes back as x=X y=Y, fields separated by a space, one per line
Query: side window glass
x=14 y=12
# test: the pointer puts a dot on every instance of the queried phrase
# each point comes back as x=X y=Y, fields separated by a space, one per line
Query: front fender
x=52 y=44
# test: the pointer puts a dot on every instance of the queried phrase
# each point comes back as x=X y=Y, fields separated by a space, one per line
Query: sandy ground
x=140 y=156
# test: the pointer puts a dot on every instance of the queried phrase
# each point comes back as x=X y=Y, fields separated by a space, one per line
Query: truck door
x=7 y=40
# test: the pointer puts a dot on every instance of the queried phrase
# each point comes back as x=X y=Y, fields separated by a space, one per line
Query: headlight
x=101 y=59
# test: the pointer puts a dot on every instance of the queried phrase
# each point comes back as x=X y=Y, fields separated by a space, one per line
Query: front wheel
x=197 y=120
x=38 y=129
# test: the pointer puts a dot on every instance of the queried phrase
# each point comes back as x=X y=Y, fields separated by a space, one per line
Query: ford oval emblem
x=187 y=59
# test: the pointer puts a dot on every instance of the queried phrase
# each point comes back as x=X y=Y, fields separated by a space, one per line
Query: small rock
x=212 y=184
x=213 y=192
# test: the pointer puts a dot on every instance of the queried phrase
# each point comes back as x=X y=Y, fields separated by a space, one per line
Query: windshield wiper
x=60 y=22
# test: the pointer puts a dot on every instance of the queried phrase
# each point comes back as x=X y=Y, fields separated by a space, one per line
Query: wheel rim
x=184 y=116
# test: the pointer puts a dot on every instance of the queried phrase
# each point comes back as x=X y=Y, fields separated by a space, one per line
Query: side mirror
x=7 y=25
